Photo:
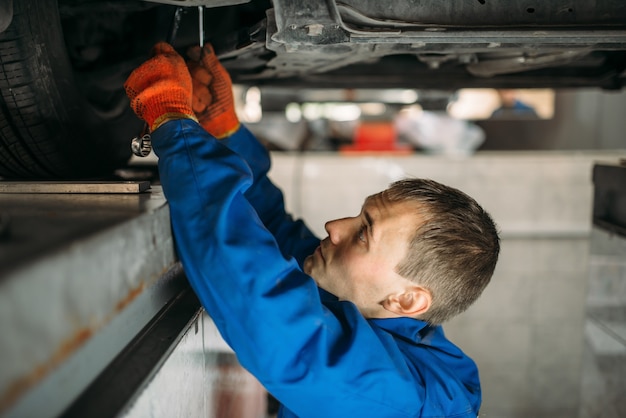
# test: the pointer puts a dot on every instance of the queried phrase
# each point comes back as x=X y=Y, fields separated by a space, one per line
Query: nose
x=336 y=229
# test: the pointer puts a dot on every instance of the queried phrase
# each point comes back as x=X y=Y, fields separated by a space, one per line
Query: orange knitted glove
x=213 y=99
x=160 y=89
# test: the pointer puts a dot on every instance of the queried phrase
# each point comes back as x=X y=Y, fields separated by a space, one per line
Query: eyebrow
x=370 y=222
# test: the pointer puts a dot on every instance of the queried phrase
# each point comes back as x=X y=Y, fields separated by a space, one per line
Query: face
x=357 y=260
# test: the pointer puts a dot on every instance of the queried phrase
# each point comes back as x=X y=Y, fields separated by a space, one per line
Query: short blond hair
x=453 y=253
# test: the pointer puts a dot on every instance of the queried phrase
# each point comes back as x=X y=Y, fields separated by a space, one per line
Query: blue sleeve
x=317 y=360
x=293 y=236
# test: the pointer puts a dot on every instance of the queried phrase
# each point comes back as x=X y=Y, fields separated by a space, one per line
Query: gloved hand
x=160 y=89
x=213 y=100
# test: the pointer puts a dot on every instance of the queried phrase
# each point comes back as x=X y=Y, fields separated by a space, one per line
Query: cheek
x=366 y=274
x=356 y=271
x=348 y=263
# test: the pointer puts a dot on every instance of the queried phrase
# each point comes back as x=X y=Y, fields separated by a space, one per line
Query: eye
x=361 y=234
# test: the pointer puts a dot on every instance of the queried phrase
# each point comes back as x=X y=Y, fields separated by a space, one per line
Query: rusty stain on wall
x=22 y=384
x=132 y=294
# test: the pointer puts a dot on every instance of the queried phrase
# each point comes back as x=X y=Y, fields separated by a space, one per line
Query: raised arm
x=213 y=103
x=293 y=236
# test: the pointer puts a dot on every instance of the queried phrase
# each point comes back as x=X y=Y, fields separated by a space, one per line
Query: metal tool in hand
x=142 y=145
x=201 y=26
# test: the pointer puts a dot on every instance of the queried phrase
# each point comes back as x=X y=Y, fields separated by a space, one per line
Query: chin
x=307 y=265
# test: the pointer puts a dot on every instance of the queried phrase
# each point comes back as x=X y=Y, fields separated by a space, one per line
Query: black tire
x=48 y=127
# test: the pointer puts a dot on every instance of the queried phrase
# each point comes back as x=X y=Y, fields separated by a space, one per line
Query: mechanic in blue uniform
x=348 y=326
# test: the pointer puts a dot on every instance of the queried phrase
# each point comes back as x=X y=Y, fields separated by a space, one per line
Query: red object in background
x=376 y=136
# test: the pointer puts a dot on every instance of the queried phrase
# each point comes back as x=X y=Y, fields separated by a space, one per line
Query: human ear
x=413 y=301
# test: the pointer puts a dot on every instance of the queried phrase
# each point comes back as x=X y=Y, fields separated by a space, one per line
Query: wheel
x=56 y=120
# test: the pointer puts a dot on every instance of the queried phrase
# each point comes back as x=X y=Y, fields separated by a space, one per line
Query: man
x=343 y=327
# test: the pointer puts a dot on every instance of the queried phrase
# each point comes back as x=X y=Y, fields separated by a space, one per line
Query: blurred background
x=549 y=332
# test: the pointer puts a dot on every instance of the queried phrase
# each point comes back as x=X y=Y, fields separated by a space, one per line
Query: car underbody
x=63 y=63
x=414 y=44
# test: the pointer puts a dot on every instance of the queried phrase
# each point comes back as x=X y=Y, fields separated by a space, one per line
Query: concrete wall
x=528 y=193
